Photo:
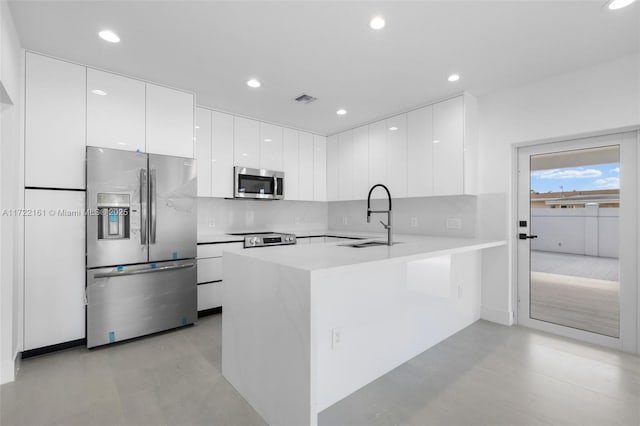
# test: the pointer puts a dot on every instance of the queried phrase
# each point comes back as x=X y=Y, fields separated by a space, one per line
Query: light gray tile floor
x=600 y=268
x=484 y=375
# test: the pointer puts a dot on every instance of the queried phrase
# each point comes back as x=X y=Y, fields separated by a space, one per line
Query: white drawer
x=209 y=269
x=209 y=296
x=215 y=250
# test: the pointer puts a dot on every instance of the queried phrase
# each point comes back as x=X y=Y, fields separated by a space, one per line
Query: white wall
x=598 y=98
x=11 y=193
x=590 y=231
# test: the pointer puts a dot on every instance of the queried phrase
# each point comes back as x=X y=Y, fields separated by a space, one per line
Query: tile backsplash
x=221 y=215
x=453 y=216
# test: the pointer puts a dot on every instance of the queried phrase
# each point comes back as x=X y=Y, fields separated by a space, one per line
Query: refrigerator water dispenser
x=113 y=216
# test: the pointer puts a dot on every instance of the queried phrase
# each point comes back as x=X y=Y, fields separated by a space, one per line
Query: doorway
x=576 y=241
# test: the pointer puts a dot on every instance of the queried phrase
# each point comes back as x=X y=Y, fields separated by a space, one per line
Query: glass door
x=577 y=239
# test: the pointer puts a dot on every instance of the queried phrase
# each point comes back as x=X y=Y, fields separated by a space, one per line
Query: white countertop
x=313 y=257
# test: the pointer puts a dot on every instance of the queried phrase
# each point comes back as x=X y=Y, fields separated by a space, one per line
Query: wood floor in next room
x=484 y=375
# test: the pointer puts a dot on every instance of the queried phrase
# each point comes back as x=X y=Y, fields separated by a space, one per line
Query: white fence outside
x=590 y=231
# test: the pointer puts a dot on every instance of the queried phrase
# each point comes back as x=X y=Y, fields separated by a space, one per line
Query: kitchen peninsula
x=305 y=326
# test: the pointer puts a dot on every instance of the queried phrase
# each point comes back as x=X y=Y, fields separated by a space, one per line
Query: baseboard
x=7 y=371
x=496 y=315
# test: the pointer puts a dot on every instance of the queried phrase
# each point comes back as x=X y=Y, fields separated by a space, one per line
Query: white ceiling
x=327 y=49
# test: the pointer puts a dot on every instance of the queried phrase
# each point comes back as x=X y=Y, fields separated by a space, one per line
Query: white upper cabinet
x=246 y=142
x=361 y=163
x=270 y=147
x=170 y=121
x=115 y=111
x=345 y=166
x=291 y=164
x=319 y=168
x=448 y=145
x=222 y=128
x=203 y=151
x=306 y=177
x=332 y=168
x=378 y=156
x=55 y=131
x=420 y=152
x=397 y=155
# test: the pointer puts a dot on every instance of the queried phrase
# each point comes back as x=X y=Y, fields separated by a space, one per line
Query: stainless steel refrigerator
x=141 y=244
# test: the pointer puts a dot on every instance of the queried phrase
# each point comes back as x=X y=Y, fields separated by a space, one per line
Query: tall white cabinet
x=246 y=142
x=305 y=173
x=203 y=151
x=222 y=154
x=54 y=268
x=291 y=164
x=115 y=111
x=270 y=147
x=420 y=152
x=319 y=168
x=55 y=126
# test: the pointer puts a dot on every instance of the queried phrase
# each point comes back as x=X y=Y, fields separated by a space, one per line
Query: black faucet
x=387 y=226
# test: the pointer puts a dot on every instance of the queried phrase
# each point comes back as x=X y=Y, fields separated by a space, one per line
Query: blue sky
x=602 y=176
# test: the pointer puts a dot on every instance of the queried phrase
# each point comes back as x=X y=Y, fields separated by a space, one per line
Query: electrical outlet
x=454 y=222
x=336 y=337
x=212 y=223
x=345 y=220
x=414 y=222
x=459 y=290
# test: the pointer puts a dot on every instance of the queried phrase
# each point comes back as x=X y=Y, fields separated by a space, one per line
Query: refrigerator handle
x=152 y=201
x=143 y=206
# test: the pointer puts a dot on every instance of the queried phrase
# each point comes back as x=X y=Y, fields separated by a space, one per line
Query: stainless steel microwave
x=258 y=183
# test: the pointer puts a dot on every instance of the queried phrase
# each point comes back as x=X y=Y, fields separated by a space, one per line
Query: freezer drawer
x=138 y=300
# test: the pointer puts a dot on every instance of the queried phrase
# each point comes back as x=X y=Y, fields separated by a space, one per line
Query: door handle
x=526 y=237
x=143 y=206
x=153 y=205
x=143 y=271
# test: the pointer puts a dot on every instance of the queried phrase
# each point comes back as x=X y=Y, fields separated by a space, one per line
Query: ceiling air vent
x=305 y=99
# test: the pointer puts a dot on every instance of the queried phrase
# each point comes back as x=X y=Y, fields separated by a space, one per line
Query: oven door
x=258 y=183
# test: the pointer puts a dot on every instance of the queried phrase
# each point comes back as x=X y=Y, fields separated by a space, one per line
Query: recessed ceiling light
x=253 y=83
x=393 y=128
x=99 y=92
x=341 y=111
x=618 y=4
x=267 y=140
x=109 y=36
x=454 y=77
x=436 y=141
x=377 y=23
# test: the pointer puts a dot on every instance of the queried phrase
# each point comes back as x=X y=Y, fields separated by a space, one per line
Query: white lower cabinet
x=210 y=273
x=54 y=309
x=209 y=296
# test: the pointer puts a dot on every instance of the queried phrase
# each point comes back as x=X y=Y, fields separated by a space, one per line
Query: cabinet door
x=332 y=168
x=378 y=156
x=170 y=121
x=54 y=268
x=246 y=143
x=345 y=165
x=397 y=155
x=361 y=163
x=270 y=147
x=203 y=151
x=222 y=126
x=319 y=168
x=306 y=166
x=115 y=111
x=291 y=165
x=55 y=117
x=420 y=152
x=448 y=138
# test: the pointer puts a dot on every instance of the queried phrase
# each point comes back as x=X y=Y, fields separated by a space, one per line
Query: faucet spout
x=388 y=212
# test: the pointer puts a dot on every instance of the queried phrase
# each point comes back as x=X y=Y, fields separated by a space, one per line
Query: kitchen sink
x=367 y=244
